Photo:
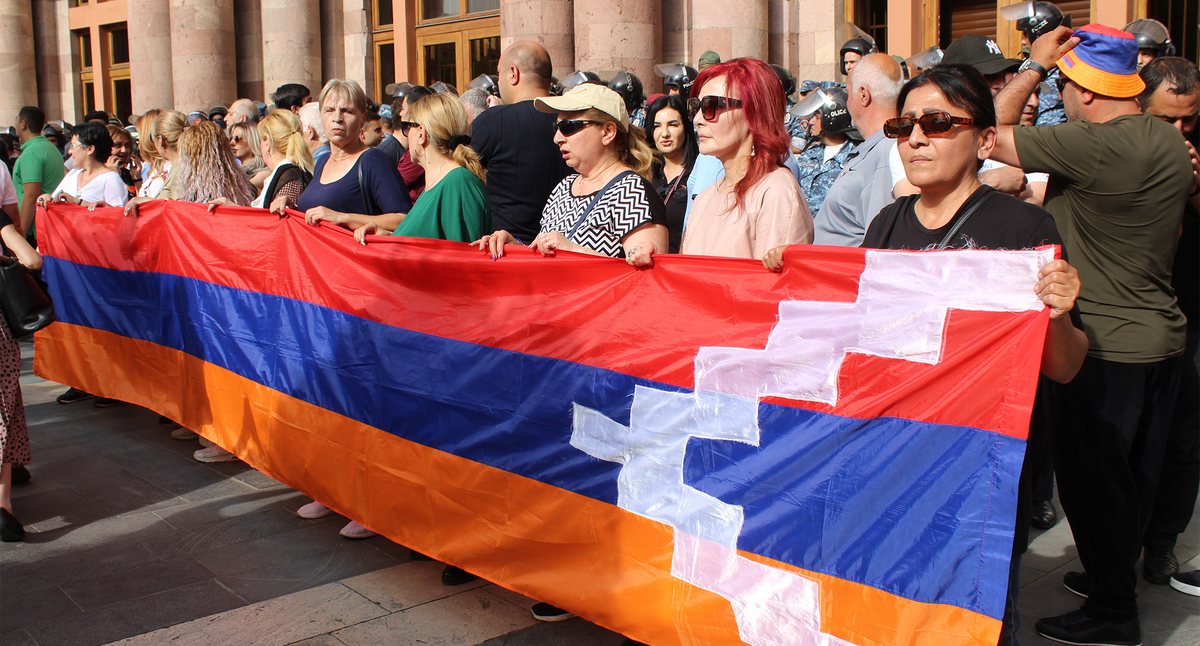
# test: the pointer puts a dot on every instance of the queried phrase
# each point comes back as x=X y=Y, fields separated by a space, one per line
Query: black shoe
x=72 y=396
x=1158 y=566
x=417 y=556
x=105 y=402
x=1076 y=583
x=1078 y=628
x=11 y=530
x=1187 y=582
x=1044 y=516
x=20 y=474
x=166 y=421
x=547 y=612
x=456 y=576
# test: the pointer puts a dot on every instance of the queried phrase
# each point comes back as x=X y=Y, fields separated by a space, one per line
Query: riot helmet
x=1036 y=18
x=785 y=79
x=859 y=46
x=629 y=86
x=579 y=77
x=1152 y=35
x=486 y=82
x=677 y=76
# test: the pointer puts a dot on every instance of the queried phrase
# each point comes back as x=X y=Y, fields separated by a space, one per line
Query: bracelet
x=1031 y=64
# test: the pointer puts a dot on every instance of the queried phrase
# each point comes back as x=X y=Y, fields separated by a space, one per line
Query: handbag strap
x=961 y=221
x=368 y=201
x=674 y=185
x=596 y=199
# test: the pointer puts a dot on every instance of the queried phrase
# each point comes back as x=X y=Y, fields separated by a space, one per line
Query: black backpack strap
x=596 y=199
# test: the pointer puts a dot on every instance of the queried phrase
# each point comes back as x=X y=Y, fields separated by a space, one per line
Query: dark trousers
x=1180 y=479
x=1111 y=426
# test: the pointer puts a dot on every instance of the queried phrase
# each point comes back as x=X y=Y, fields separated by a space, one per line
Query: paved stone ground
x=133 y=542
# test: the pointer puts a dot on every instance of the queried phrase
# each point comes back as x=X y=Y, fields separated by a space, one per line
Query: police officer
x=1153 y=40
x=677 y=77
x=1041 y=18
x=828 y=147
x=853 y=51
x=793 y=124
x=629 y=86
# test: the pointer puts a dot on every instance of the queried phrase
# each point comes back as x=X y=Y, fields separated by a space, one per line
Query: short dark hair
x=1181 y=73
x=91 y=133
x=371 y=115
x=418 y=92
x=33 y=116
x=963 y=86
x=397 y=107
x=96 y=115
x=291 y=95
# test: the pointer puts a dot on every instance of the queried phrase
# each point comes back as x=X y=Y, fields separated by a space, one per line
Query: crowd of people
x=1087 y=141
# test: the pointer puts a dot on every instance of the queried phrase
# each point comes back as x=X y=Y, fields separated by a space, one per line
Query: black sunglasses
x=568 y=128
x=235 y=138
x=932 y=123
x=710 y=105
x=1061 y=83
x=405 y=125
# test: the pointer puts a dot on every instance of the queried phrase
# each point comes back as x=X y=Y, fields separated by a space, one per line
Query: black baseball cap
x=979 y=52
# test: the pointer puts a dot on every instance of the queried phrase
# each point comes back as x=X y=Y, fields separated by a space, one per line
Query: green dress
x=455 y=209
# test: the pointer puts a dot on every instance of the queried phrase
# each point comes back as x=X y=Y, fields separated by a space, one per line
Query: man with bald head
x=515 y=142
x=865 y=185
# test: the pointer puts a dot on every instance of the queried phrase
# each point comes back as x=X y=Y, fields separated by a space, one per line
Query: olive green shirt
x=41 y=162
x=1116 y=192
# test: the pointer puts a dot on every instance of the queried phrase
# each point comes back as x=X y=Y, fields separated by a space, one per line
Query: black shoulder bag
x=26 y=306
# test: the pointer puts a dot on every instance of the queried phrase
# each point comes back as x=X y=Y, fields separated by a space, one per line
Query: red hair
x=756 y=84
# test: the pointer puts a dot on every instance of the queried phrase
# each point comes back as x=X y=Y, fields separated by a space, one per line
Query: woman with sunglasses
x=243 y=140
x=454 y=204
x=737 y=108
x=671 y=133
x=609 y=208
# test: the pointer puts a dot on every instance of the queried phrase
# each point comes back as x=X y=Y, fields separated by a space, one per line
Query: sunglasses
x=932 y=123
x=1061 y=83
x=710 y=105
x=568 y=128
x=405 y=126
x=236 y=138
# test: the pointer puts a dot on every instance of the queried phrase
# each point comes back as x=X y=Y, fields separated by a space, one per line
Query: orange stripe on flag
x=606 y=564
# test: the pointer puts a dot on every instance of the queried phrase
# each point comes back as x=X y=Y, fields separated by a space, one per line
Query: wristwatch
x=1030 y=64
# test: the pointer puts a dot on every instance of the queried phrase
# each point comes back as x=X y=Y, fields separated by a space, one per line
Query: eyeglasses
x=406 y=125
x=1061 y=83
x=568 y=128
x=710 y=105
x=932 y=123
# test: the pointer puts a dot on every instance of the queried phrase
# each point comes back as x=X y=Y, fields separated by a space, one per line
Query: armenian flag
x=701 y=452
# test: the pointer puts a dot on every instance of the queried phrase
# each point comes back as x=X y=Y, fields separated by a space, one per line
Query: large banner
x=702 y=452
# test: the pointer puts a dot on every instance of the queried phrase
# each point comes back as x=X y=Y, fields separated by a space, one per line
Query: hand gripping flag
x=699 y=453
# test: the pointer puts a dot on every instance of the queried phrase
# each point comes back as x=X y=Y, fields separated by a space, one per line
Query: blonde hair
x=146 y=131
x=443 y=117
x=169 y=125
x=249 y=132
x=346 y=90
x=283 y=130
x=207 y=168
x=632 y=149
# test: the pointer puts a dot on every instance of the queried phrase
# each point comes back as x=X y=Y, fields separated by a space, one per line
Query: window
x=441 y=63
x=437 y=10
x=485 y=55
x=383 y=39
x=871 y=17
x=119 y=101
x=961 y=17
x=83 y=61
x=457 y=40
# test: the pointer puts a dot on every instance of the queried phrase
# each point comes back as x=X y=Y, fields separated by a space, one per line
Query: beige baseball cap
x=586 y=96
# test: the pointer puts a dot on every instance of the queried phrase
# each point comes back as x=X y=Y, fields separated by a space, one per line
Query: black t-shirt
x=1003 y=222
x=516 y=144
x=676 y=205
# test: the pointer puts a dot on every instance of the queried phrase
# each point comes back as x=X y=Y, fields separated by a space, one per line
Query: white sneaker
x=214 y=453
x=314 y=510
x=354 y=530
x=182 y=433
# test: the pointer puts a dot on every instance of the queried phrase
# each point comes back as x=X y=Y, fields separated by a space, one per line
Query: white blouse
x=106 y=187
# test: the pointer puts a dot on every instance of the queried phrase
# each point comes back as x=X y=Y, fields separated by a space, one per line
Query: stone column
x=203 y=53
x=731 y=28
x=291 y=43
x=359 y=52
x=248 y=18
x=52 y=45
x=150 y=54
x=333 y=43
x=816 y=46
x=18 y=69
x=549 y=22
x=624 y=36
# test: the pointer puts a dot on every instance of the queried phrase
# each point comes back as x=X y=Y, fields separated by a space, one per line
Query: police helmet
x=1036 y=18
x=579 y=77
x=785 y=79
x=858 y=45
x=835 y=116
x=485 y=82
x=677 y=75
x=629 y=86
x=1153 y=35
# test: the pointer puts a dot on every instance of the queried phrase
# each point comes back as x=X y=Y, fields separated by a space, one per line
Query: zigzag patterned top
x=628 y=204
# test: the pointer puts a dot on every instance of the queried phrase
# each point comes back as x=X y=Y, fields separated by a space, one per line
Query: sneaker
x=214 y=453
x=313 y=511
x=105 y=402
x=1187 y=582
x=72 y=396
x=1078 y=628
x=547 y=612
x=1044 y=515
x=20 y=474
x=356 y=531
x=182 y=433
x=1158 y=566
x=456 y=576
x=1076 y=583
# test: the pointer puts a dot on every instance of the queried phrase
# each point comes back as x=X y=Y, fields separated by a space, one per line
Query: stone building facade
x=126 y=56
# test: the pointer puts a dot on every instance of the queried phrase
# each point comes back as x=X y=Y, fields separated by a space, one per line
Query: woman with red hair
x=737 y=107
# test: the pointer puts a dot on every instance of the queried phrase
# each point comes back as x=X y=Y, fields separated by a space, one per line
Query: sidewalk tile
x=17 y=638
x=284 y=620
x=407 y=585
x=105 y=590
x=67 y=533
x=125 y=493
x=464 y=619
x=89 y=629
x=233 y=530
x=215 y=510
x=171 y=607
x=111 y=558
x=18 y=610
x=306 y=571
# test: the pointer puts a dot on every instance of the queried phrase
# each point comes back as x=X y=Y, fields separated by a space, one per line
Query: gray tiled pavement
x=132 y=541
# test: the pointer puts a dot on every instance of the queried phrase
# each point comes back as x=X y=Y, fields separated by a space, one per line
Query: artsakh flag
x=699 y=453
